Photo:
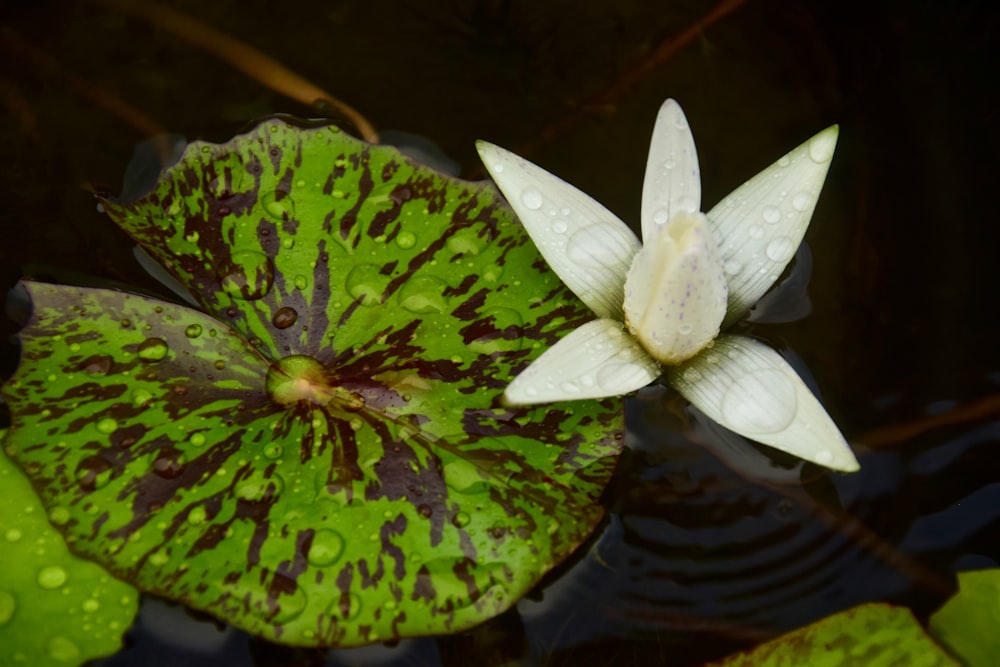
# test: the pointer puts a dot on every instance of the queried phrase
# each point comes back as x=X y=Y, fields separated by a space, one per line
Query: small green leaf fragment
x=870 y=635
x=968 y=623
x=55 y=608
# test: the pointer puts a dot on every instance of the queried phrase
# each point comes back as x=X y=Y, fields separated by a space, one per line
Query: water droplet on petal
x=780 y=249
x=732 y=267
x=692 y=374
x=821 y=148
x=824 y=458
x=51 y=577
x=684 y=329
x=559 y=226
x=801 y=201
x=771 y=214
x=661 y=216
x=756 y=231
x=284 y=317
x=761 y=401
x=687 y=204
x=532 y=199
x=784 y=161
x=326 y=548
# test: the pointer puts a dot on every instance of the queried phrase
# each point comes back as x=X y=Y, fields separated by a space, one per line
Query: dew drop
x=692 y=374
x=91 y=605
x=462 y=519
x=780 y=249
x=168 y=463
x=784 y=161
x=570 y=387
x=284 y=317
x=326 y=548
x=559 y=226
x=197 y=515
x=801 y=201
x=661 y=216
x=63 y=649
x=107 y=426
x=688 y=204
x=197 y=439
x=278 y=204
x=366 y=283
x=532 y=199
x=159 y=558
x=153 y=349
x=759 y=402
x=821 y=148
x=756 y=232
x=8 y=605
x=684 y=329
x=273 y=451
x=424 y=294
x=406 y=240
x=219 y=365
x=669 y=163
x=347 y=607
x=13 y=535
x=300 y=282
x=249 y=276
x=824 y=458
x=288 y=243
x=192 y=330
x=732 y=267
x=59 y=516
x=51 y=577
x=771 y=214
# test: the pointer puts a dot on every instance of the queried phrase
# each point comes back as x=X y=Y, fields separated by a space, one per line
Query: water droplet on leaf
x=284 y=317
x=51 y=577
x=326 y=548
x=153 y=349
x=249 y=276
x=192 y=330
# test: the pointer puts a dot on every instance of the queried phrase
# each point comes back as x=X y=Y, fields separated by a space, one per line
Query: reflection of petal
x=583 y=242
x=748 y=388
x=673 y=181
x=789 y=300
x=759 y=226
x=594 y=361
x=675 y=295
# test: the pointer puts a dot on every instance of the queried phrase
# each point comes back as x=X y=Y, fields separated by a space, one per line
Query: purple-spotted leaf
x=321 y=454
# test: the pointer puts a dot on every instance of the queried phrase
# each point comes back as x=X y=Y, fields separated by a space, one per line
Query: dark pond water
x=711 y=544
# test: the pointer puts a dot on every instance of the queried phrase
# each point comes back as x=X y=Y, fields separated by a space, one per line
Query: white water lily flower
x=662 y=303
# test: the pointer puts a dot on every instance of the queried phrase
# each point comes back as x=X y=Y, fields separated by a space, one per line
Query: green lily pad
x=968 y=623
x=870 y=635
x=55 y=608
x=320 y=455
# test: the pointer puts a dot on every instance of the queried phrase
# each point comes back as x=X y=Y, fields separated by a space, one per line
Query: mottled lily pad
x=871 y=635
x=967 y=624
x=55 y=608
x=321 y=456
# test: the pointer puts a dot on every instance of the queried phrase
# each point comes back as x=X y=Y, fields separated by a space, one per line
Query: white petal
x=583 y=242
x=673 y=181
x=594 y=361
x=675 y=294
x=759 y=226
x=748 y=388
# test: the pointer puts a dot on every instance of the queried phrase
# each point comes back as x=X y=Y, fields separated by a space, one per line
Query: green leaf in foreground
x=321 y=455
x=969 y=623
x=871 y=635
x=55 y=608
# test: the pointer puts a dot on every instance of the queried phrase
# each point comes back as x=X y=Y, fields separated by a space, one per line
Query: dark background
x=902 y=338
